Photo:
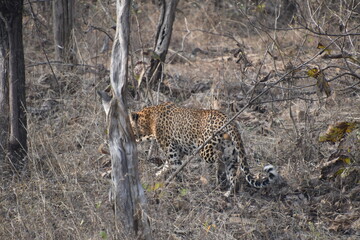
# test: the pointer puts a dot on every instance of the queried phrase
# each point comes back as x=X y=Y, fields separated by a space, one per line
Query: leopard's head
x=141 y=125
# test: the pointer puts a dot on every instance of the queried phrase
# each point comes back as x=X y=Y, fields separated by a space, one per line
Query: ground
x=63 y=194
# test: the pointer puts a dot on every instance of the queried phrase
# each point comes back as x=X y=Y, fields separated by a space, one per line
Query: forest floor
x=63 y=194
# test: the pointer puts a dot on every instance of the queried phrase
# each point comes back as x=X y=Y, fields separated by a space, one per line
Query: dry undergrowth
x=64 y=195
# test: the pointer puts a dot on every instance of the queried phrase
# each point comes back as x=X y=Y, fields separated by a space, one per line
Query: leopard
x=179 y=131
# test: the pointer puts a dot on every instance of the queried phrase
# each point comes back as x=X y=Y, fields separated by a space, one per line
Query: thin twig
x=102 y=30
x=42 y=45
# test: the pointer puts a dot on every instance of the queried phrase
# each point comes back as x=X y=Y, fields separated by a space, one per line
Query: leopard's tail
x=269 y=169
x=242 y=161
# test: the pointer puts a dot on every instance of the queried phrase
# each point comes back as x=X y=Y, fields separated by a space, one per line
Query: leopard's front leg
x=173 y=158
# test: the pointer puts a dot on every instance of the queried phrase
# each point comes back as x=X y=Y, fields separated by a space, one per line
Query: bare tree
x=4 y=94
x=11 y=17
x=127 y=193
x=162 y=40
x=63 y=17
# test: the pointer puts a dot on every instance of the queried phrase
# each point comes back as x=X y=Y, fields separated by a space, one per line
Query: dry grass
x=62 y=194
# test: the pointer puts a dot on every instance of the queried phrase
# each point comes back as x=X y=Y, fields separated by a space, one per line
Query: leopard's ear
x=135 y=116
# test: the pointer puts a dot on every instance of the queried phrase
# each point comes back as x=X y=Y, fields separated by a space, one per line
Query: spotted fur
x=179 y=131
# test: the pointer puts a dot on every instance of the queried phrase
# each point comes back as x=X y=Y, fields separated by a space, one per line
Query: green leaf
x=157 y=186
x=184 y=192
x=103 y=235
x=339 y=172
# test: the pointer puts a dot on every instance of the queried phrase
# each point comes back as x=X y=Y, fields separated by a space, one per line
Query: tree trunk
x=162 y=40
x=11 y=15
x=63 y=20
x=4 y=96
x=127 y=192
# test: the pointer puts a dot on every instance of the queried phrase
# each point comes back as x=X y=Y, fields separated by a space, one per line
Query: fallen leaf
x=337 y=132
x=321 y=46
x=203 y=180
x=321 y=82
x=103 y=149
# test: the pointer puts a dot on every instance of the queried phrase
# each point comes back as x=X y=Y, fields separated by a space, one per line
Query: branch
x=101 y=30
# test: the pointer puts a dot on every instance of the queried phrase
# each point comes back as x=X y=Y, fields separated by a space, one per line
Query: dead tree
x=127 y=193
x=11 y=18
x=4 y=95
x=162 y=40
x=63 y=18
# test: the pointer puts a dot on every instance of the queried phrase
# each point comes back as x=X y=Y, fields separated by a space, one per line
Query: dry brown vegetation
x=63 y=194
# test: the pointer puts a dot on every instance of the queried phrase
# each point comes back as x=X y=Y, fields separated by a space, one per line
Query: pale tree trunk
x=11 y=15
x=127 y=192
x=63 y=21
x=162 y=40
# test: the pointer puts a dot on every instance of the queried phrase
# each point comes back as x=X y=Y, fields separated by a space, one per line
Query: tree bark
x=63 y=21
x=127 y=192
x=11 y=15
x=162 y=40
x=4 y=95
